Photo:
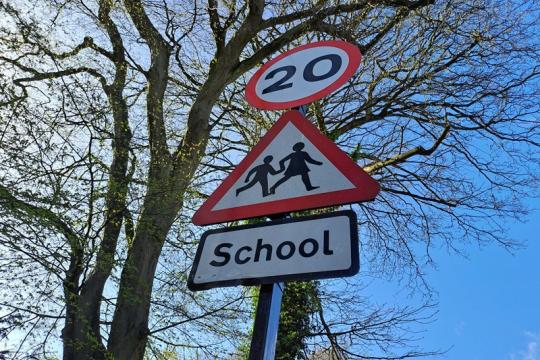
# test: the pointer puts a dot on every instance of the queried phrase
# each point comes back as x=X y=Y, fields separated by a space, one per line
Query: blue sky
x=489 y=303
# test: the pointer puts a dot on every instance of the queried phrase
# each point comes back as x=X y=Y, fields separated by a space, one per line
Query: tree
x=294 y=326
x=118 y=117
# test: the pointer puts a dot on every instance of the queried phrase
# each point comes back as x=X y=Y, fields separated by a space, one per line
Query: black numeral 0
x=308 y=74
x=336 y=64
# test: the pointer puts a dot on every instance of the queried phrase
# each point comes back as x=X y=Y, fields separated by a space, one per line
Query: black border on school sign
x=247 y=281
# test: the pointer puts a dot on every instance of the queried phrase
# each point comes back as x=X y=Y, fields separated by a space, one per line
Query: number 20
x=308 y=74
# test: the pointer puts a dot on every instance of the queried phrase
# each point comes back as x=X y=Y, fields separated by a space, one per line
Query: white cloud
x=532 y=350
x=459 y=328
x=533 y=347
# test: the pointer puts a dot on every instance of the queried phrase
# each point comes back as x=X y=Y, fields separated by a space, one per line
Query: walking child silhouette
x=261 y=176
x=297 y=166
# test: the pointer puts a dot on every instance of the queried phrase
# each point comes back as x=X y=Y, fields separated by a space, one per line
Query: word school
x=308 y=248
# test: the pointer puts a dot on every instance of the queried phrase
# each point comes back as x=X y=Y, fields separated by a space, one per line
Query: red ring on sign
x=355 y=57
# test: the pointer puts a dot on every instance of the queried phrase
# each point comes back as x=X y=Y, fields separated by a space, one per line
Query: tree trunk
x=129 y=329
x=82 y=336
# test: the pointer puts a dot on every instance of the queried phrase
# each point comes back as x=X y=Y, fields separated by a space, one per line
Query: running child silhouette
x=261 y=176
x=297 y=166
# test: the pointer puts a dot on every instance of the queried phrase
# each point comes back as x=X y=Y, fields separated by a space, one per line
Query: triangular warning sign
x=293 y=167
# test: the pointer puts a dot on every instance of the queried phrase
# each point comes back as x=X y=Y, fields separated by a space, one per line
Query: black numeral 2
x=289 y=72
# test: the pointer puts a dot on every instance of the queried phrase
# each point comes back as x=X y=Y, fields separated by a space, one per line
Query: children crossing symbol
x=297 y=166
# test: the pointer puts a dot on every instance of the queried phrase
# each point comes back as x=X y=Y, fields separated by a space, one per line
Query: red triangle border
x=366 y=188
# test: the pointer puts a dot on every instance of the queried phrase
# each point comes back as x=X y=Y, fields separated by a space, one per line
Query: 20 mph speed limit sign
x=303 y=75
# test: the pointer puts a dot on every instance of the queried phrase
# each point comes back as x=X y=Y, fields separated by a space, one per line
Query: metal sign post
x=263 y=342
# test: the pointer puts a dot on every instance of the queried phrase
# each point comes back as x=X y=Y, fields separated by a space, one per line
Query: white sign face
x=314 y=173
x=307 y=248
x=303 y=75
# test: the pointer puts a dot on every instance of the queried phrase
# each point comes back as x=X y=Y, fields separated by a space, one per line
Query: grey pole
x=273 y=323
x=263 y=343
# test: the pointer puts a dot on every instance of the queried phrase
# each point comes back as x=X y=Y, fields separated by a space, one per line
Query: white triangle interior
x=326 y=176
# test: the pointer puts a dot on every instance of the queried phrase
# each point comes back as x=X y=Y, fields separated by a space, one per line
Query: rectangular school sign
x=307 y=248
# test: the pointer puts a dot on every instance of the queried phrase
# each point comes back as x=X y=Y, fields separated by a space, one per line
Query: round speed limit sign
x=303 y=75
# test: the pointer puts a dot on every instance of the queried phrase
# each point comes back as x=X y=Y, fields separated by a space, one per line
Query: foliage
x=299 y=302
